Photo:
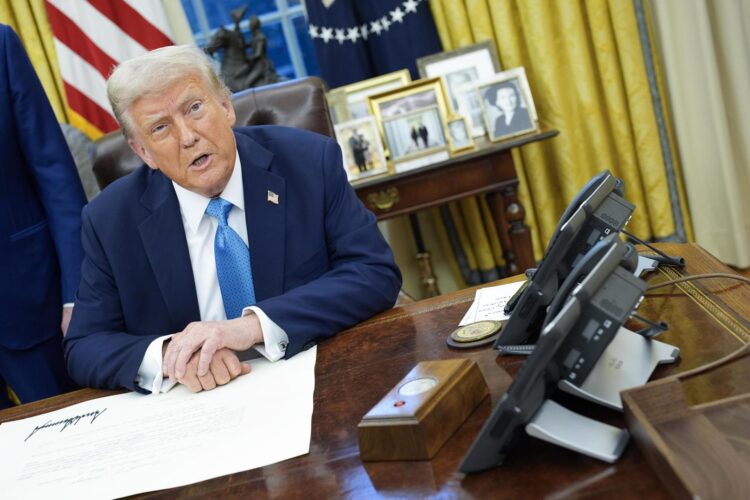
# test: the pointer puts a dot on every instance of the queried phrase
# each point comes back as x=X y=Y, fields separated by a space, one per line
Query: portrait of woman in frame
x=507 y=105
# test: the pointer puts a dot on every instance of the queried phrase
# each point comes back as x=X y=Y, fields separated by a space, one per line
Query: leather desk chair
x=297 y=103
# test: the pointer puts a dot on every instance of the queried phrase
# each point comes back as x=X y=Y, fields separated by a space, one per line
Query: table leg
x=513 y=233
x=429 y=281
x=424 y=261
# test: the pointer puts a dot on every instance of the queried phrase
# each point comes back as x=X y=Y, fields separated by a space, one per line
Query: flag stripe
x=154 y=12
x=132 y=22
x=93 y=36
x=100 y=30
x=78 y=121
x=84 y=106
x=76 y=71
x=71 y=35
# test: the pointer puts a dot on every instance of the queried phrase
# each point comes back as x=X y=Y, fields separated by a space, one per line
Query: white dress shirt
x=200 y=230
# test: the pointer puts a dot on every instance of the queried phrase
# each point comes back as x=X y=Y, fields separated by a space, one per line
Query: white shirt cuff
x=150 y=375
x=275 y=338
x=69 y=305
x=150 y=372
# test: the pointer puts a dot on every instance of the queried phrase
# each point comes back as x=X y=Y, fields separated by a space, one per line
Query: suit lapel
x=265 y=219
x=163 y=236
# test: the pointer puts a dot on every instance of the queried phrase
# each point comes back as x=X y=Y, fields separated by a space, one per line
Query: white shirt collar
x=193 y=205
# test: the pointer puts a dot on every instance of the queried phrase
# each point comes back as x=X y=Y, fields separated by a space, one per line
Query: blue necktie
x=232 y=262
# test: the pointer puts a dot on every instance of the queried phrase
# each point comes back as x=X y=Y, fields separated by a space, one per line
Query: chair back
x=297 y=103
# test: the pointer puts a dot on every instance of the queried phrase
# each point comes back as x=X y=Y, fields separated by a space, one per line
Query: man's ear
x=226 y=103
x=142 y=153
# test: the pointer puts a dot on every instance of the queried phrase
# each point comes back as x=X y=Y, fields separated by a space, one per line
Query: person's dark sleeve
x=362 y=279
x=99 y=351
x=51 y=163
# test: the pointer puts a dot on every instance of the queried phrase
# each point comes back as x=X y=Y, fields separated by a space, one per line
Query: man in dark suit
x=40 y=222
x=228 y=239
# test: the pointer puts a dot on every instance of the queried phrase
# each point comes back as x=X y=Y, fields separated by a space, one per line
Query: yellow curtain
x=590 y=79
x=28 y=18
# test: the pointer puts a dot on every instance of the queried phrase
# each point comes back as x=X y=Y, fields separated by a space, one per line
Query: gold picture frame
x=362 y=148
x=507 y=105
x=350 y=101
x=412 y=120
x=460 y=69
x=460 y=139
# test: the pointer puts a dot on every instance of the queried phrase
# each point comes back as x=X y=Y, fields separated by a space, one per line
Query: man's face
x=186 y=132
x=506 y=99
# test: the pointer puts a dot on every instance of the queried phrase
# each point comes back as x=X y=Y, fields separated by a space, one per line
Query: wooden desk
x=488 y=170
x=358 y=366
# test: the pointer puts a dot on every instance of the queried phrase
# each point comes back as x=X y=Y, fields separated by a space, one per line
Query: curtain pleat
x=28 y=18
x=589 y=80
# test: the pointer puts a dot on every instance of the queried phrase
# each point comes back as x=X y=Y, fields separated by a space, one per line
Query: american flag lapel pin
x=273 y=198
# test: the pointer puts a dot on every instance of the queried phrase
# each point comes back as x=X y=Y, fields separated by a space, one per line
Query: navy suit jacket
x=40 y=206
x=319 y=261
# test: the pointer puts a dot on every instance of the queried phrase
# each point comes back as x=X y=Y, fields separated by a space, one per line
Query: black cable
x=653 y=329
x=662 y=258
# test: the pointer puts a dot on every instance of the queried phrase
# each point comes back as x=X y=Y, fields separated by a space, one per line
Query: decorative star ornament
x=410 y=5
x=397 y=15
x=326 y=34
x=340 y=37
x=352 y=34
x=369 y=29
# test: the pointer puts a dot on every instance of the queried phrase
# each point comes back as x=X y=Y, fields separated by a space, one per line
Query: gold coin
x=476 y=331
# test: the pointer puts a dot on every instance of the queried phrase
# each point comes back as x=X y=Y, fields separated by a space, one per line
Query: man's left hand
x=209 y=336
x=224 y=367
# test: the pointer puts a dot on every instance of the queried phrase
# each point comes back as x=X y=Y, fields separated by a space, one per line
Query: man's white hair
x=153 y=72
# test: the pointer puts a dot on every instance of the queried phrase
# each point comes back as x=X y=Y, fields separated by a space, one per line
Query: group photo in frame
x=361 y=148
x=461 y=69
x=350 y=101
x=412 y=119
x=507 y=105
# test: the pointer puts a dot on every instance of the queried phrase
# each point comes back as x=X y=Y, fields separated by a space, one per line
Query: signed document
x=130 y=443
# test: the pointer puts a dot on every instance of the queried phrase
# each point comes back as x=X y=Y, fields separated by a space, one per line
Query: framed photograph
x=412 y=119
x=361 y=147
x=350 y=101
x=460 y=70
x=507 y=105
x=459 y=135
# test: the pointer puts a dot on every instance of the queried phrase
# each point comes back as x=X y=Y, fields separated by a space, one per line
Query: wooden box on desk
x=422 y=411
x=697 y=451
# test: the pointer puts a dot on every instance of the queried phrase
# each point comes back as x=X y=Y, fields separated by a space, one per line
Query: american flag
x=93 y=36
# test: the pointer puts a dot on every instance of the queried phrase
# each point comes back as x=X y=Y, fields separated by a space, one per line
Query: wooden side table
x=488 y=170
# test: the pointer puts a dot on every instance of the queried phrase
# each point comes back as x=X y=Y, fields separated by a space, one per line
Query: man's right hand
x=224 y=367
x=207 y=338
